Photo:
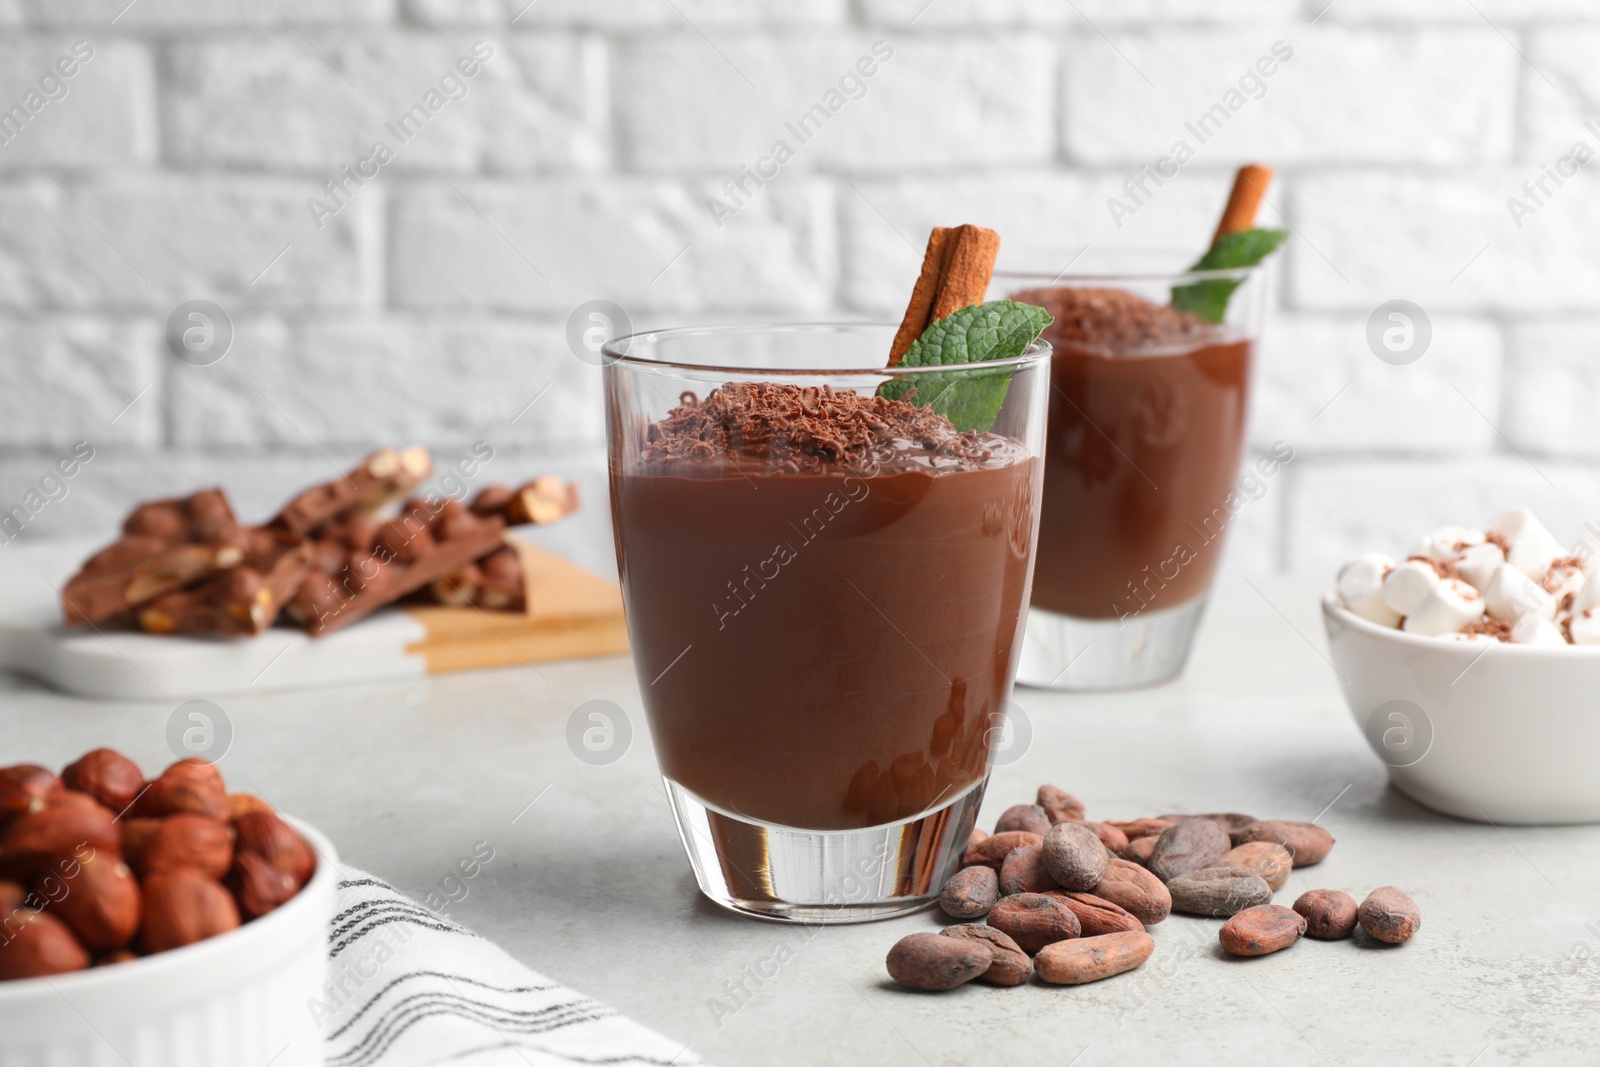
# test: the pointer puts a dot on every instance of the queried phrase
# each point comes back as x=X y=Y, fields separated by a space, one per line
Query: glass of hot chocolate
x=826 y=587
x=1143 y=462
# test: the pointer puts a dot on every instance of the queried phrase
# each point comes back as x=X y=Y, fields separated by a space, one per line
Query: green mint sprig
x=1243 y=248
x=978 y=333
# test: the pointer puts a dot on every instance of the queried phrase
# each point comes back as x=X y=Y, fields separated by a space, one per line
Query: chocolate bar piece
x=378 y=479
x=494 y=582
x=537 y=502
x=166 y=544
x=241 y=602
x=405 y=554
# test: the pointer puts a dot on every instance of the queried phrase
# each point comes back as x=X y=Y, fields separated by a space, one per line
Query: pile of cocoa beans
x=99 y=866
x=1068 y=900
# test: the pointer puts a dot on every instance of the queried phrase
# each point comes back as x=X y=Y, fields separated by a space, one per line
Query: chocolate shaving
x=793 y=428
x=1112 y=319
x=1498 y=629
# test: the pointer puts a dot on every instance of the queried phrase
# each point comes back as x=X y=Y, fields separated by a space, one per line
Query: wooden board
x=572 y=614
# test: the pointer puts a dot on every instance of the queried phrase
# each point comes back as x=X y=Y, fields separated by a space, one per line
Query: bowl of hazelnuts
x=162 y=921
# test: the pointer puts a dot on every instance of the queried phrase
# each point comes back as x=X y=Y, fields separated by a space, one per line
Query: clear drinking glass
x=825 y=653
x=1146 y=436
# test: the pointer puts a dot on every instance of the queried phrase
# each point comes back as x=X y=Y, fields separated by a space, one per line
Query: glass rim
x=1183 y=276
x=1037 y=352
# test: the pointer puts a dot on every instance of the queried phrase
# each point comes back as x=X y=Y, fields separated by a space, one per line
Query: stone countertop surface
x=589 y=885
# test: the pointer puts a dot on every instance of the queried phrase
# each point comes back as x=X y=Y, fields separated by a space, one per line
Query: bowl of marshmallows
x=1472 y=665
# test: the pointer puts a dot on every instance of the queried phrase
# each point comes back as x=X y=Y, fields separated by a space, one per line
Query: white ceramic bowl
x=1484 y=731
x=238 y=1000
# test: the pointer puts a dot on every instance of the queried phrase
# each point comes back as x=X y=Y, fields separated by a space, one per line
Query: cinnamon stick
x=955 y=273
x=1249 y=186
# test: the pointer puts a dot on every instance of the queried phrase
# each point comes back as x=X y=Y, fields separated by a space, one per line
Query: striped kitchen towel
x=407 y=986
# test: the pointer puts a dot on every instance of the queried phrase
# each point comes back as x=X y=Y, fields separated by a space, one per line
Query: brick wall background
x=432 y=306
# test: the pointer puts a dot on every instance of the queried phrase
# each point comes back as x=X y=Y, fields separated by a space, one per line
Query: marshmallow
x=1477 y=563
x=1532 y=545
x=1447 y=542
x=1450 y=605
x=1585 y=627
x=1408 y=585
x=1536 y=630
x=1511 y=594
x=1361 y=588
x=1588 y=595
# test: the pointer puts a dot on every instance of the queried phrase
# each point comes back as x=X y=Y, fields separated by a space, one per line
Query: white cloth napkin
x=407 y=987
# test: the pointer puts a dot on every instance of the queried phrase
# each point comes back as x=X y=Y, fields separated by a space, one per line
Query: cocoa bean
x=1096 y=915
x=1218 y=892
x=931 y=962
x=1028 y=817
x=1138 y=828
x=1140 y=848
x=1114 y=840
x=1059 y=805
x=1024 y=872
x=1191 y=845
x=1034 y=920
x=1231 y=821
x=1389 y=915
x=977 y=837
x=1090 y=959
x=1074 y=856
x=1307 y=842
x=992 y=851
x=1011 y=965
x=1330 y=913
x=1261 y=930
x=1136 y=891
x=1267 y=858
x=970 y=893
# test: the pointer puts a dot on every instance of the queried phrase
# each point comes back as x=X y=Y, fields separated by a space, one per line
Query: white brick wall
x=577 y=165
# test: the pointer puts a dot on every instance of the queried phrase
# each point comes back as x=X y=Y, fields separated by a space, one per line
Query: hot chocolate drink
x=825 y=592
x=1147 y=427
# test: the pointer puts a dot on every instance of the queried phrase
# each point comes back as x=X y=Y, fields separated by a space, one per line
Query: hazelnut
x=122 y=955
x=361 y=532
x=12 y=896
x=458 y=526
x=178 y=841
x=407 y=537
x=68 y=823
x=240 y=803
x=503 y=565
x=33 y=944
x=101 y=903
x=110 y=777
x=23 y=789
x=257 y=886
x=268 y=836
x=191 y=785
x=182 y=907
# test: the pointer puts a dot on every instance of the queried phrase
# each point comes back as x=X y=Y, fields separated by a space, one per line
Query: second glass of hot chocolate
x=1146 y=436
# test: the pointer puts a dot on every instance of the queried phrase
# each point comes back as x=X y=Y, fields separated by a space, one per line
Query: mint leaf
x=1244 y=248
x=978 y=333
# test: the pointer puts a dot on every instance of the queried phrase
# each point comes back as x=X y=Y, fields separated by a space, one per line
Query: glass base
x=823 y=876
x=1065 y=652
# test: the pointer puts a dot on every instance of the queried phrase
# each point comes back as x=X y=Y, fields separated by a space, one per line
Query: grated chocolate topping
x=1498 y=629
x=794 y=428
x=1111 y=318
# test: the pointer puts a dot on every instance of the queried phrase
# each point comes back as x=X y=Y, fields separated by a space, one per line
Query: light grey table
x=588 y=884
